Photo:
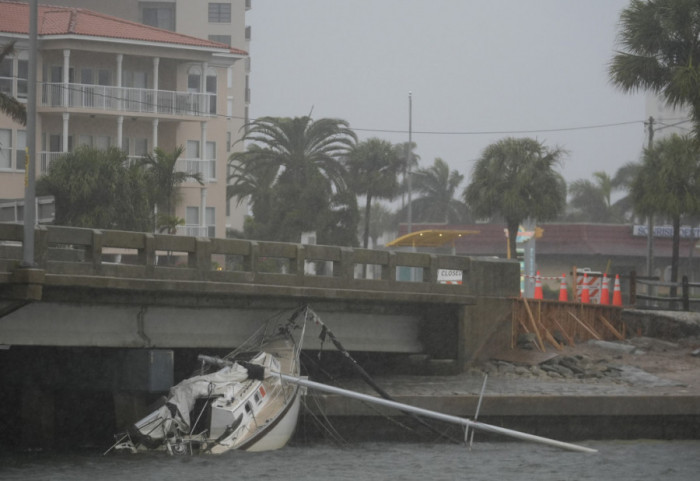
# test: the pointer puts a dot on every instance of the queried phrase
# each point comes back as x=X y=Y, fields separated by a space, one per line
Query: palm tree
x=164 y=179
x=254 y=182
x=515 y=178
x=437 y=186
x=303 y=158
x=373 y=170
x=8 y=104
x=592 y=199
x=661 y=52
x=383 y=220
x=623 y=179
x=409 y=163
x=668 y=183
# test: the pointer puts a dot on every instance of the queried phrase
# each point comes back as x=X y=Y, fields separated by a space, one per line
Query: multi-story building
x=114 y=81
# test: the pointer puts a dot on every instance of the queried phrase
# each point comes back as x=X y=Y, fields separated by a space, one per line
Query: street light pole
x=409 y=157
x=30 y=166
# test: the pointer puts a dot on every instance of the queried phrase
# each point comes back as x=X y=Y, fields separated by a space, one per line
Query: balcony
x=204 y=167
x=127 y=100
x=196 y=230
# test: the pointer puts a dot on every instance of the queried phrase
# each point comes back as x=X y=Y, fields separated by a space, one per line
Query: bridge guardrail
x=71 y=251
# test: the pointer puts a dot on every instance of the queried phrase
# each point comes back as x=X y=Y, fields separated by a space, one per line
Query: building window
x=225 y=39
x=192 y=149
x=194 y=75
x=21 y=150
x=141 y=147
x=6 y=74
x=22 y=78
x=220 y=13
x=192 y=215
x=211 y=89
x=158 y=14
x=5 y=149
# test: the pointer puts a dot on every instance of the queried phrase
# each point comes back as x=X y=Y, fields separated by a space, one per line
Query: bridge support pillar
x=37 y=425
x=129 y=407
x=483 y=329
x=27 y=284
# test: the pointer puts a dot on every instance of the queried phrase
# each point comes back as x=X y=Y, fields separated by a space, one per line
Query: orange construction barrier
x=538 y=287
x=617 y=294
x=585 y=298
x=605 y=292
x=563 y=290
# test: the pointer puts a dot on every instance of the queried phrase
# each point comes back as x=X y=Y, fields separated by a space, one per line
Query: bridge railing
x=70 y=251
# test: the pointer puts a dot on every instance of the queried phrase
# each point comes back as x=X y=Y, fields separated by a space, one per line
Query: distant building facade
x=611 y=248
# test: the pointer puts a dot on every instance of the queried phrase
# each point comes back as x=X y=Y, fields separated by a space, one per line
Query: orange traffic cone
x=585 y=298
x=605 y=292
x=617 y=294
x=563 y=291
x=538 y=286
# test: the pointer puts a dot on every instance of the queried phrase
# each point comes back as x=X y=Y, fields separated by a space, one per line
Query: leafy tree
x=98 y=189
x=383 y=220
x=668 y=183
x=591 y=200
x=409 y=163
x=373 y=170
x=338 y=224
x=8 y=104
x=660 y=51
x=164 y=178
x=623 y=179
x=515 y=178
x=437 y=186
x=302 y=156
x=254 y=182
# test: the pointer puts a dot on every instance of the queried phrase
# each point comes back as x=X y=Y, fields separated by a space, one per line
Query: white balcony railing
x=196 y=230
x=206 y=168
x=126 y=99
x=45 y=159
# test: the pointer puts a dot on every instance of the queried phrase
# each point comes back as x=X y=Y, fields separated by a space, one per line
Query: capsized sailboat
x=250 y=400
x=234 y=402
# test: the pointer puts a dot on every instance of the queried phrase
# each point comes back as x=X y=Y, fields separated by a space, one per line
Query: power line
x=500 y=132
x=148 y=104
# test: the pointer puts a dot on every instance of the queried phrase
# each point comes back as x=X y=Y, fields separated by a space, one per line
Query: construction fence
x=554 y=324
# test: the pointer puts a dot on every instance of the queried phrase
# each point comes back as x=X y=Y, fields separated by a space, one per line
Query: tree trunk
x=512 y=237
x=675 y=252
x=367 y=210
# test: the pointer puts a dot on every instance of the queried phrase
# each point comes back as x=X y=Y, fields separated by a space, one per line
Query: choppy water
x=617 y=460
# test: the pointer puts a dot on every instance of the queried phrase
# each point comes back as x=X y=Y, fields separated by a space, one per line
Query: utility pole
x=30 y=167
x=409 y=157
x=650 y=218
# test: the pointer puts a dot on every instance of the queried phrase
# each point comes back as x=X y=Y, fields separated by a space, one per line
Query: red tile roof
x=562 y=239
x=59 y=21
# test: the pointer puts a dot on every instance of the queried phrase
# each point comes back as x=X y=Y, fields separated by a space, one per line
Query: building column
x=156 y=63
x=118 y=80
x=203 y=212
x=66 y=77
x=155 y=134
x=120 y=132
x=206 y=171
x=66 y=118
x=203 y=88
x=120 y=61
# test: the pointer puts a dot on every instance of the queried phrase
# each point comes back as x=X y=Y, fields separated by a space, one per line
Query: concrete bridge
x=100 y=288
x=106 y=320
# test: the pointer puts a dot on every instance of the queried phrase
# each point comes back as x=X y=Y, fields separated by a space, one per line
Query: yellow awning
x=430 y=238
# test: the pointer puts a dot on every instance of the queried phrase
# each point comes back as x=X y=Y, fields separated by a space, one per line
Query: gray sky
x=473 y=66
